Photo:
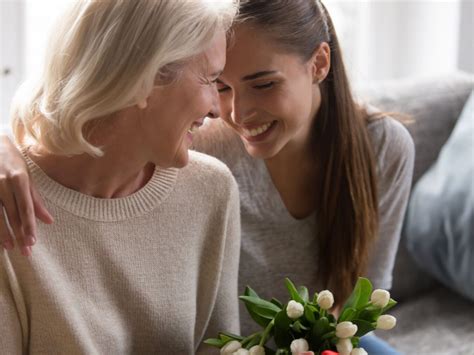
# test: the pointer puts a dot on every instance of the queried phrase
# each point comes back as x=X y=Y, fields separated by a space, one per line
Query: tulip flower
x=346 y=330
x=298 y=346
x=359 y=351
x=257 y=350
x=230 y=347
x=344 y=346
x=325 y=299
x=241 y=352
x=380 y=298
x=386 y=322
x=294 y=310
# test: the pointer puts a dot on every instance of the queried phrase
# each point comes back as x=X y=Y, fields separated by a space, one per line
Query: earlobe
x=142 y=104
x=321 y=62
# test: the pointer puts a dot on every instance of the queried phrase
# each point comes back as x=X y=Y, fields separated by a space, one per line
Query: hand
x=19 y=201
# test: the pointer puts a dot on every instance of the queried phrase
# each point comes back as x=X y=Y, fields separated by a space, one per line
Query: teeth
x=194 y=128
x=257 y=131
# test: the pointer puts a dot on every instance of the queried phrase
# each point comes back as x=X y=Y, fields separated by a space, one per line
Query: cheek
x=225 y=105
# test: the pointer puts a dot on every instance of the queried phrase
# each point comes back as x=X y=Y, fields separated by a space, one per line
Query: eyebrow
x=258 y=75
x=217 y=73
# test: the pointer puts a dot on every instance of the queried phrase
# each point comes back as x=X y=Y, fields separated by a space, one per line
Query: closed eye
x=264 y=86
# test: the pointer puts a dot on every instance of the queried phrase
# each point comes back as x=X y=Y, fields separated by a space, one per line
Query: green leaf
x=251 y=309
x=363 y=327
x=276 y=303
x=360 y=295
x=315 y=298
x=281 y=328
x=293 y=291
x=347 y=315
x=214 y=342
x=391 y=304
x=320 y=327
x=355 y=342
x=298 y=327
x=229 y=336
x=261 y=307
x=282 y=352
x=303 y=292
x=309 y=313
x=370 y=314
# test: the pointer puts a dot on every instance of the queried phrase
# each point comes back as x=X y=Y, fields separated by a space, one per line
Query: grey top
x=275 y=245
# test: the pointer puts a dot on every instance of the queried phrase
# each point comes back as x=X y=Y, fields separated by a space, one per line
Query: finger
x=6 y=238
x=21 y=192
x=13 y=217
x=40 y=210
x=25 y=251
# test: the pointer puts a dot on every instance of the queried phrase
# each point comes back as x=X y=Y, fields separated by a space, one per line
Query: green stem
x=249 y=338
x=266 y=332
x=328 y=335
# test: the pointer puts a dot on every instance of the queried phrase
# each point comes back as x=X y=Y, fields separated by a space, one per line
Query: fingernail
x=8 y=245
x=26 y=251
x=31 y=240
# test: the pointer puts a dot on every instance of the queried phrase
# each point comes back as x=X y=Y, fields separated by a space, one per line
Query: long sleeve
x=10 y=325
x=395 y=154
x=225 y=314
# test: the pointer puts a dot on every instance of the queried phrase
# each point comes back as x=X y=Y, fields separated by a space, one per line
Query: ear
x=321 y=62
x=142 y=104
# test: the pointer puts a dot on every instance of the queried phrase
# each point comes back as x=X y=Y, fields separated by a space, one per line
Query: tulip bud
x=346 y=330
x=386 y=322
x=344 y=346
x=294 y=310
x=257 y=350
x=230 y=347
x=325 y=299
x=298 y=346
x=380 y=298
x=359 y=351
x=241 y=352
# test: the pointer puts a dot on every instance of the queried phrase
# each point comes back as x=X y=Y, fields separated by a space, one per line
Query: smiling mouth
x=194 y=127
x=258 y=132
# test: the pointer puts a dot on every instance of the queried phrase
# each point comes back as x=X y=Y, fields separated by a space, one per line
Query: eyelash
x=258 y=87
x=264 y=86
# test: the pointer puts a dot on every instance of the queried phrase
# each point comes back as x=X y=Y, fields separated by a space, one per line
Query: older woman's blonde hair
x=104 y=56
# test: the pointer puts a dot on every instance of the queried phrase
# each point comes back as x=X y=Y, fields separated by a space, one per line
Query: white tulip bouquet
x=305 y=326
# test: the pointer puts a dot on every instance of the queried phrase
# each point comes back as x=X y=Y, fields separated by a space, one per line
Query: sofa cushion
x=436 y=323
x=434 y=105
x=439 y=225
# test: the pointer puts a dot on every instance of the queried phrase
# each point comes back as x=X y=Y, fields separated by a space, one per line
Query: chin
x=260 y=153
x=181 y=161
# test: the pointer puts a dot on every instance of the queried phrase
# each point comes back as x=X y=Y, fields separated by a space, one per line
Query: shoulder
x=391 y=142
x=210 y=173
x=216 y=138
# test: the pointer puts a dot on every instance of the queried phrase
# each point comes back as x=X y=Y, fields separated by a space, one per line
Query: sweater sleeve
x=10 y=325
x=395 y=152
x=225 y=314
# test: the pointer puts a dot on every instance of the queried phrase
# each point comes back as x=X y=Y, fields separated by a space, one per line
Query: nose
x=215 y=111
x=241 y=109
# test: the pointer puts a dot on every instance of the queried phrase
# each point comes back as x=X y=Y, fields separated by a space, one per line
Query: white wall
x=11 y=54
x=40 y=17
x=388 y=39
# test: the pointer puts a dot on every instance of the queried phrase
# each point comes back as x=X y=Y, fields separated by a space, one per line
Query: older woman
x=143 y=256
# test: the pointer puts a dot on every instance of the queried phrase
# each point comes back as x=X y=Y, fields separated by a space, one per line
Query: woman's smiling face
x=267 y=95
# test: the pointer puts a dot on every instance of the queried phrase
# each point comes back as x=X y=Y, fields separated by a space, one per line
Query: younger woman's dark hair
x=346 y=198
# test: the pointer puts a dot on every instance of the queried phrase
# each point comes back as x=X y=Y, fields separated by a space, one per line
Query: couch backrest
x=434 y=105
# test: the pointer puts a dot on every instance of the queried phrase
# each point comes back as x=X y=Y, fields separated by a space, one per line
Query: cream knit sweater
x=155 y=272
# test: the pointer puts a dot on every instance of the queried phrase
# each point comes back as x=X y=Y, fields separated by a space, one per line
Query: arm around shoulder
x=395 y=155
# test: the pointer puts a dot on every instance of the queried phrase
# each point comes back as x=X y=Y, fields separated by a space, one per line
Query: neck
x=119 y=173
